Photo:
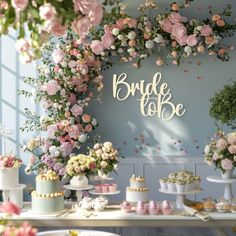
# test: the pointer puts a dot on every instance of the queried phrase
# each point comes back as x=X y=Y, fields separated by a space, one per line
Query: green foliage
x=223 y=105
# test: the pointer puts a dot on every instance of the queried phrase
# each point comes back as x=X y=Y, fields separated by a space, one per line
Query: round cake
x=137 y=191
x=47 y=198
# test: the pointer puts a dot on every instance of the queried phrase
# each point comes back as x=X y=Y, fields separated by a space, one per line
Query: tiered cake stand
x=180 y=197
x=102 y=181
x=228 y=194
x=79 y=191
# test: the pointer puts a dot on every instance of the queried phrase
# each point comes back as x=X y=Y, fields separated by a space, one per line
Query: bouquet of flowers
x=106 y=157
x=9 y=161
x=221 y=151
x=80 y=165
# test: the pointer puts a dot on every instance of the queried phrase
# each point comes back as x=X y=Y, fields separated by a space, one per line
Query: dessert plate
x=108 y=193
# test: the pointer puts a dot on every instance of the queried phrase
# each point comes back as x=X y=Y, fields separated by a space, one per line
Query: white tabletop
x=114 y=217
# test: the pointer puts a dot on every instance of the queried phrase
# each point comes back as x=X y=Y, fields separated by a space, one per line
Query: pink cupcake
x=112 y=188
x=141 y=208
x=98 y=188
x=126 y=207
x=166 y=208
x=104 y=188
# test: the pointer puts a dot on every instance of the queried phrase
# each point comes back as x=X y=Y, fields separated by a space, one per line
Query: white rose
x=199 y=28
x=94 y=122
x=115 y=31
x=105 y=156
x=96 y=146
x=82 y=138
x=207 y=149
x=158 y=39
x=120 y=37
x=149 y=44
x=99 y=152
x=188 y=50
x=103 y=164
x=52 y=149
x=107 y=144
x=131 y=35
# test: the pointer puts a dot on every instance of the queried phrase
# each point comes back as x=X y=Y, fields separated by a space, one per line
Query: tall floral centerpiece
x=221 y=152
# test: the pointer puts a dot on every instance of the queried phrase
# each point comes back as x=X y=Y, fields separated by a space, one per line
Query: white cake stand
x=79 y=191
x=6 y=191
x=228 y=194
x=180 y=197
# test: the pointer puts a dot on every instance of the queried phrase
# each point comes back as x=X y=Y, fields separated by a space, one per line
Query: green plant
x=223 y=105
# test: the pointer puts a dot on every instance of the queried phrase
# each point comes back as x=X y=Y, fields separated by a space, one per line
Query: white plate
x=71 y=187
x=81 y=233
x=109 y=193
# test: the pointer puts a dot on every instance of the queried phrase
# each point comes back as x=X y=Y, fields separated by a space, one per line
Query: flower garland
x=46 y=17
x=71 y=73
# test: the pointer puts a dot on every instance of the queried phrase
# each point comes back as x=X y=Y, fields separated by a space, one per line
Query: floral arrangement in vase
x=221 y=152
x=7 y=229
x=9 y=161
x=106 y=157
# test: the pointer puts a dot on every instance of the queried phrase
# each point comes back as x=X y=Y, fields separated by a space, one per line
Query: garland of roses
x=71 y=73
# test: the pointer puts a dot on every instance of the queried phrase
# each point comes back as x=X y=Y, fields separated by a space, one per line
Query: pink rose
x=72 y=98
x=81 y=26
x=52 y=129
x=4 y=5
x=51 y=87
x=74 y=131
x=96 y=15
x=57 y=28
x=58 y=56
x=182 y=40
x=216 y=156
x=83 y=69
x=232 y=149
x=76 y=110
x=178 y=30
x=72 y=64
x=227 y=164
x=47 y=12
x=10 y=208
x=232 y=138
x=206 y=30
x=107 y=40
x=19 y=5
x=22 y=45
x=97 y=47
x=166 y=25
x=175 y=17
x=221 y=144
x=66 y=149
x=192 y=40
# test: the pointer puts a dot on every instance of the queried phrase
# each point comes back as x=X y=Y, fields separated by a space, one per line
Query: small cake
x=47 y=198
x=137 y=191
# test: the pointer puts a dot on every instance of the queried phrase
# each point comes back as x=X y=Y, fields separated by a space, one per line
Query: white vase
x=79 y=181
x=227 y=174
x=9 y=177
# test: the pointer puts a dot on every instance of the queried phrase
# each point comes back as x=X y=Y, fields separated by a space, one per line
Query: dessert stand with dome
x=180 y=197
x=228 y=193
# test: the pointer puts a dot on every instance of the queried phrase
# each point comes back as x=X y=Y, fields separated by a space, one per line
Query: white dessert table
x=114 y=217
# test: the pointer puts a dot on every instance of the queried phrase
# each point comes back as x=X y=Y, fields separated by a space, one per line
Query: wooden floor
x=166 y=231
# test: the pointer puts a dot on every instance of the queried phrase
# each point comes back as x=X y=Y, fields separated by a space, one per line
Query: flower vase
x=79 y=181
x=9 y=177
x=227 y=174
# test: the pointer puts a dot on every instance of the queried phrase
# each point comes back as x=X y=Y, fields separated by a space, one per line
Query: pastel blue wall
x=192 y=84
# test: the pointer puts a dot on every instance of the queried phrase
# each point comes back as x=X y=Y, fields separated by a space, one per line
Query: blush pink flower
x=74 y=131
x=221 y=144
x=81 y=26
x=182 y=40
x=19 y=5
x=57 y=28
x=72 y=98
x=192 y=40
x=232 y=149
x=58 y=56
x=96 y=47
x=52 y=129
x=22 y=45
x=96 y=15
x=175 y=17
x=206 y=30
x=84 y=6
x=227 y=164
x=166 y=25
x=66 y=149
x=25 y=230
x=47 y=12
x=76 y=110
x=107 y=40
x=10 y=208
x=178 y=31
x=72 y=64
x=232 y=138
x=51 y=87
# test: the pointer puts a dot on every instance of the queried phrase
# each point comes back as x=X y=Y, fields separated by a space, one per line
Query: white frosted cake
x=137 y=191
x=47 y=198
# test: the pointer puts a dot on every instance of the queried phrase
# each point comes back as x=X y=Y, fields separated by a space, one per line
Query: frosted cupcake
x=163 y=183
x=180 y=186
x=171 y=185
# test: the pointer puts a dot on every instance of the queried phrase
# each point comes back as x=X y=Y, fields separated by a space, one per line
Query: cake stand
x=180 y=197
x=228 y=194
x=79 y=191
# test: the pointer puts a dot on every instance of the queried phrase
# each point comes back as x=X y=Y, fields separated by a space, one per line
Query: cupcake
x=166 y=208
x=190 y=185
x=223 y=206
x=171 y=185
x=163 y=183
x=180 y=186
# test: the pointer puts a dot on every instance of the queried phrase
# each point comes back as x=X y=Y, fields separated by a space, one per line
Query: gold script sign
x=155 y=97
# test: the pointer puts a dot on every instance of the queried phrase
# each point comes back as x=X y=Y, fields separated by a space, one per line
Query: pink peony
x=47 y=12
x=178 y=31
x=57 y=28
x=221 y=144
x=58 y=56
x=22 y=45
x=97 y=47
x=96 y=15
x=175 y=17
x=81 y=26
x=232 y=138
x=206 y=30
x=182 y=40
x=19 y=5
x=51 y=87
x=66 y=149
x=166 y=25
x=192 y=40
x=76 y=110
x=232 y=149
x=52 y=129
x=107 y=40
x=10 y=208
x=227 y=164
